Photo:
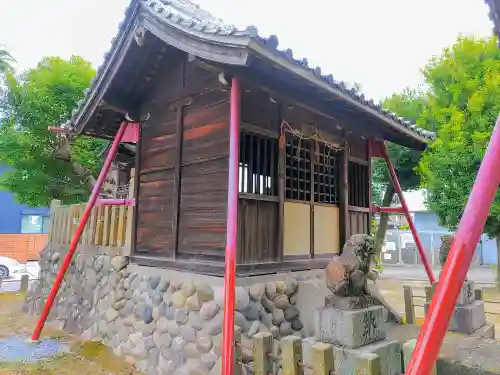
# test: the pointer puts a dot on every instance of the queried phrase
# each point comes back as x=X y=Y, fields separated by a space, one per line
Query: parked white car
x=9 y=267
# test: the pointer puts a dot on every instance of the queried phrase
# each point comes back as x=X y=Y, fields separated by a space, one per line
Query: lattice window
x=298 y=169
x=358 y=185
x=325 y=175
x=258 y=170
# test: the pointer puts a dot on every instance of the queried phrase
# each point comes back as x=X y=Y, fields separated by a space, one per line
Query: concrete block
x=469 y=318
x=467 y=294
x=380 y=358
x=350 y=328
x=466 y=319
x=408 y=348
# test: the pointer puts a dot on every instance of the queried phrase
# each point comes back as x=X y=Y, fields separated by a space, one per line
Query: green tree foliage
x=464 y=102
x=45 y=165
x=410 y=104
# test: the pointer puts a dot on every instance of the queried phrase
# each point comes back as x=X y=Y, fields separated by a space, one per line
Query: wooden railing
x=106 y=226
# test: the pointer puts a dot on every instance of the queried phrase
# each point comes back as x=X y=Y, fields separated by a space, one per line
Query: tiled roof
x=190 y=18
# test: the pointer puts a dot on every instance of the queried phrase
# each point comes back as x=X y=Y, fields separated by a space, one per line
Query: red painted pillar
x=232 y=230
x=459 y=260
x=76 y=237
x=416 y=238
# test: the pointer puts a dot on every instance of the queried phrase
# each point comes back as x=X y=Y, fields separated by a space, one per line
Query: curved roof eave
x=185 y=17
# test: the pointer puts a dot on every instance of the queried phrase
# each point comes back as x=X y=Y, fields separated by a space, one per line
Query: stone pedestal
x=350 y=328
x=466 y=319
x=469 y=314
x=359 y=339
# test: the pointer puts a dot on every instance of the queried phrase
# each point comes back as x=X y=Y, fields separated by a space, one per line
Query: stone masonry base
x=162 y=321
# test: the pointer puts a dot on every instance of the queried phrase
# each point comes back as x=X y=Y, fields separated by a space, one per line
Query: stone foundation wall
x=161 y=320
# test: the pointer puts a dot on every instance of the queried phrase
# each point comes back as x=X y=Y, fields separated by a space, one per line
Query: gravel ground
x=469 y=351
x=478 y=353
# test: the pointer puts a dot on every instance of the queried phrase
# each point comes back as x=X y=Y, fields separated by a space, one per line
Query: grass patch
x=67 y=364
x=84 y=358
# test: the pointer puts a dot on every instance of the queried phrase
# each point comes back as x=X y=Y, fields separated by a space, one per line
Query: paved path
x=481 y=274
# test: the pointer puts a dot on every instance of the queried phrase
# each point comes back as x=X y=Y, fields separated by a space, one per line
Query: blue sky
x=380 y=43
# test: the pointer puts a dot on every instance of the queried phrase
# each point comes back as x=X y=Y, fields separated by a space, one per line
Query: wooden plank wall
x=200 y=198
x=205 y=161
x=257 y=231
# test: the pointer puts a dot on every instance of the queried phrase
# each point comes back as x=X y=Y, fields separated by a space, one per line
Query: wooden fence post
x=25 y=279
x=367 y=364
x=262 y=347
x=322 y=358
x=55 y=203
x=409 y=308
x=291 y=356
x=127 y=250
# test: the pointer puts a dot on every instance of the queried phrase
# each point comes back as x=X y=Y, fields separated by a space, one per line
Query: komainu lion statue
x=350 y=276
x=348 y=273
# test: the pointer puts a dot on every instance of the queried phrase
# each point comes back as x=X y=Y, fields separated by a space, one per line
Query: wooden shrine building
x=304 y=165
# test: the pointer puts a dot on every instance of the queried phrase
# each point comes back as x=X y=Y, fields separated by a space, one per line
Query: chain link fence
x=399 y=248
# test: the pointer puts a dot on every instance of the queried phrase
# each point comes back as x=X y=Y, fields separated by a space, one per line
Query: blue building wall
x=11 y=212
x=486 y=252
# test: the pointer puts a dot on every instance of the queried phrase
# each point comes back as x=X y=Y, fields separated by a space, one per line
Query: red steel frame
x=115 y=202
x=379 y=149
x=232 y=230
x=76 y=236
x=459 y=259
x=390 y=210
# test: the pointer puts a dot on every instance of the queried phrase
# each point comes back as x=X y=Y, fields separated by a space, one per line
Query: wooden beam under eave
x=345 y=228
x=281 y=186
x=109 y=107
x=369 y=186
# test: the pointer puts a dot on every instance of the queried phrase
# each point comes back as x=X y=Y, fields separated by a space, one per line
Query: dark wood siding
x=205 y=161
x=258 y=108
x=257 y=231
x=156 y=183
x=183 y=174
x=200 y=198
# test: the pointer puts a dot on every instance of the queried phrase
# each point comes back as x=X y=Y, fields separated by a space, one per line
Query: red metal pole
x=76 y=237
x=390 y=210
x=459 y=259
x=413 y=230
x=115 y=202
x=232 y=230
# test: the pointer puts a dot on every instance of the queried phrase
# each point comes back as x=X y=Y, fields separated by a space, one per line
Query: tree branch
x=63 y=151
